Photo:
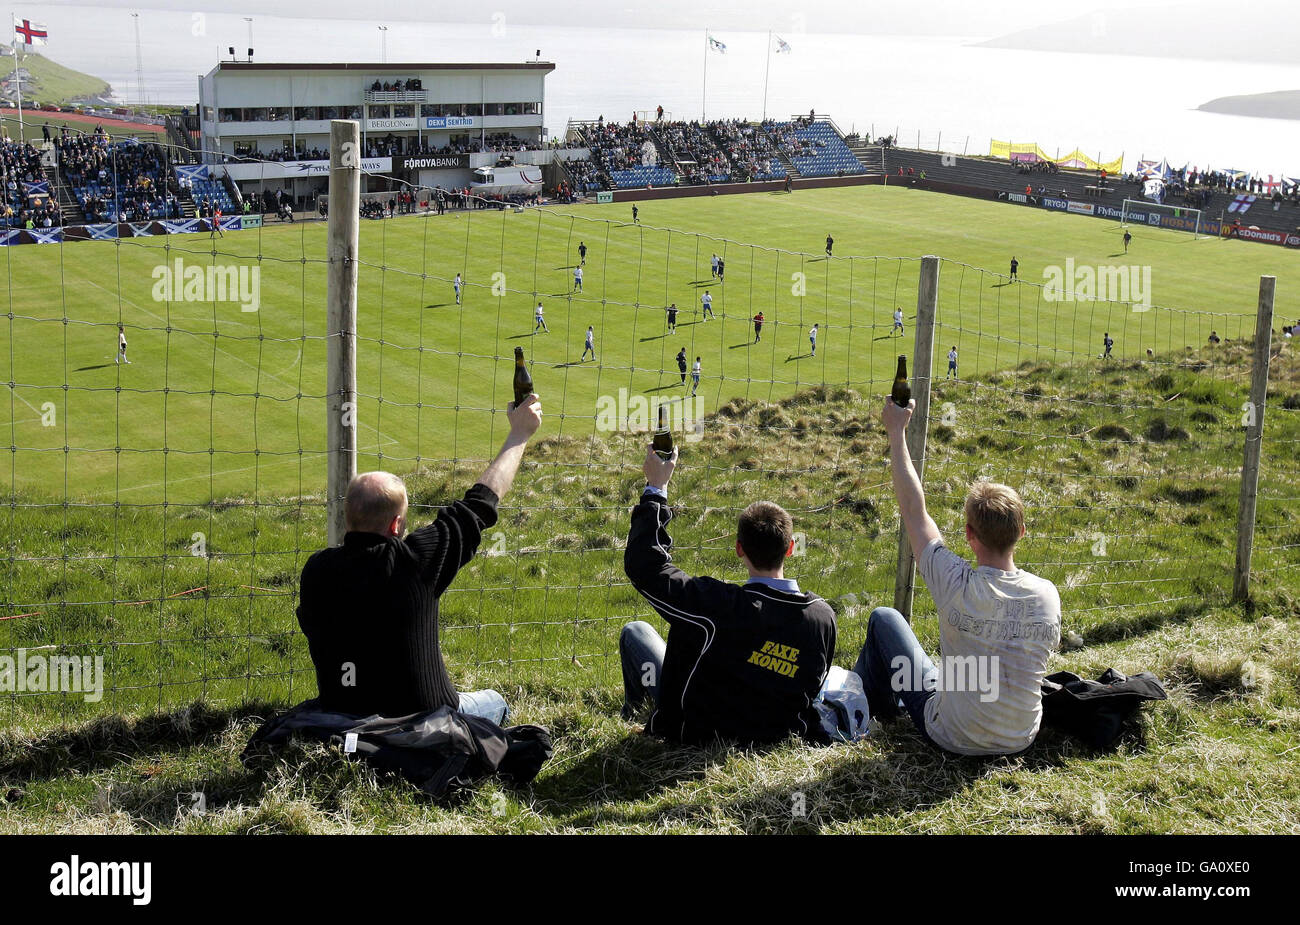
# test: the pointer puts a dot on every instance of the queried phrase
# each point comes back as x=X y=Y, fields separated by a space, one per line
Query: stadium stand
x=752 y=154
x=1271 y=210
x=27 y=193
x=585 y=175
x=622 y=151
x=694 y=152
x=209 y=194
x=118 y=181
x=815 y=148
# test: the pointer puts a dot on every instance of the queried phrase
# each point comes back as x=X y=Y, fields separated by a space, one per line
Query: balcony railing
x=396 y=96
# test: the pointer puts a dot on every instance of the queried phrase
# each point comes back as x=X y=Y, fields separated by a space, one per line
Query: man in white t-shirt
x=898 y=321
x=539 y=320
x=998 y=624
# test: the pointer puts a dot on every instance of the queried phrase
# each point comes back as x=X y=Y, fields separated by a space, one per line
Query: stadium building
x=425 y=124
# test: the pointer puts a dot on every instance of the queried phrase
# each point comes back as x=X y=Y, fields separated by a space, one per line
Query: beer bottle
x=901 y=393
x=523 y=379
x=663 y=441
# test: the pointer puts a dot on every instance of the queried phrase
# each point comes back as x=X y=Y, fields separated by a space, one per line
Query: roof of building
x=369 y=69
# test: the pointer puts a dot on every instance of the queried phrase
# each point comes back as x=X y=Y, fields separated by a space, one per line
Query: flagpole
x=18 y=84
x=704 y=87
x=767 y=73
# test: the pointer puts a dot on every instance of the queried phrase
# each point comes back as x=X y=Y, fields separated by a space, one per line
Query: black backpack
x=1095 y=711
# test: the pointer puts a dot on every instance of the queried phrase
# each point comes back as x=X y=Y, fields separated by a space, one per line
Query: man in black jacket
x=369 y=608
x=742 y=662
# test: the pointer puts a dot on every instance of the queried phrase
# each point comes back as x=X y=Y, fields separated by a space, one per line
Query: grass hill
x=1130 y=474
x=51 y=82
x=1282 y=104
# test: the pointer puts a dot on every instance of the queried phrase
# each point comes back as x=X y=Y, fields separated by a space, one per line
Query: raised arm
x=446 y=545
x=524 y=421
x=921 y=528
x=647 y=558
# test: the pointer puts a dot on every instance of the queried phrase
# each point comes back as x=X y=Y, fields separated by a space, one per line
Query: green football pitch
x=219 y=401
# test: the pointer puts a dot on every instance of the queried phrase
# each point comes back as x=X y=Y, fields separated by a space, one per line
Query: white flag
x=29 y=33
x=716 y=45
x=782 y=46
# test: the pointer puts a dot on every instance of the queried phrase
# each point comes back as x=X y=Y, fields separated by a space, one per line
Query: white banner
x=280 y=170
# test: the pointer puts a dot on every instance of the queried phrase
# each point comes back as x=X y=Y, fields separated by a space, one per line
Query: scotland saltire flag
x=102 y=232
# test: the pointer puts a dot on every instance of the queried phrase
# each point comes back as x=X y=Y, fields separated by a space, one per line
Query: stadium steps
x=999 y=175
x=663 y=150
x=987 y=173
x=871 y=156
x=788 y=164
x=69 y=208
x=602 y=172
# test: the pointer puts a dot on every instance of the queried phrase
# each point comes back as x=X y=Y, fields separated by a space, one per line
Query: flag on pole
x=715 y=45
x=782 y=46
x=29 y=33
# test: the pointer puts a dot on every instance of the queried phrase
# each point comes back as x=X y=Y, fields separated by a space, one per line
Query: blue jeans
x=891 y=651
x=641 y=651
x=486 y=703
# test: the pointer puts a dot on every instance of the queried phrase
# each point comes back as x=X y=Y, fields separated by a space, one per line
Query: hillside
x=51 y=82
x=1138 y=459
x=1284 y=104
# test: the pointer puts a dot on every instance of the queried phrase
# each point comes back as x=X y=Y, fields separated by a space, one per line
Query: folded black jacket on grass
x=439 y=751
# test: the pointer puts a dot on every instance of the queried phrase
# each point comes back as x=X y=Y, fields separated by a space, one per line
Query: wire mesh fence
x=158 y=512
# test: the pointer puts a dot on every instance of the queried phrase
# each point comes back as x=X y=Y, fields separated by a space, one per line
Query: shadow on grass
x=628 y=781
x=108 y=741
x=1127 y=625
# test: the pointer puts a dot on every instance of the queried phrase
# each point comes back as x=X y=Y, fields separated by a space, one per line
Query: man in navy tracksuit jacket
x=742 y=663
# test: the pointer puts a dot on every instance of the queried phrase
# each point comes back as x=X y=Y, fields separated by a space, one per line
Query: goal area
x=1161 y=215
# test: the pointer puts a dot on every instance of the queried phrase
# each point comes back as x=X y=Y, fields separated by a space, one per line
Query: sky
x=976 y=18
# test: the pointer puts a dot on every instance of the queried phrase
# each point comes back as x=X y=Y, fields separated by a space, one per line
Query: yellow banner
x=1075 y=159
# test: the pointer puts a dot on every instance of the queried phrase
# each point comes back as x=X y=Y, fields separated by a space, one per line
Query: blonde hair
x=996 y=514
x=373 y=500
